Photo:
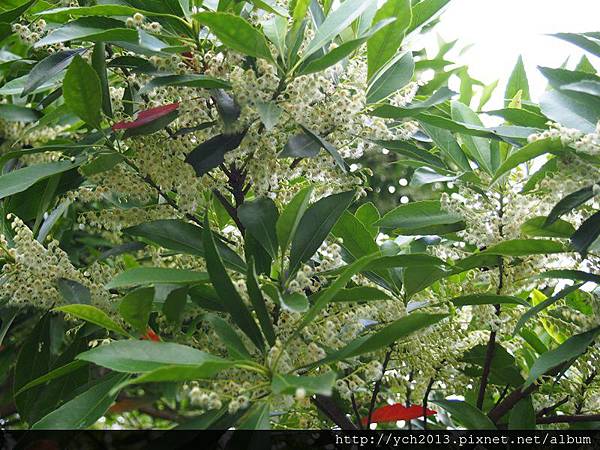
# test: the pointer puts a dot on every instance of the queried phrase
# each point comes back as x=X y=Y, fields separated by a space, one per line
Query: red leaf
x=392 y=413
x=147 y=116
x=151 y=335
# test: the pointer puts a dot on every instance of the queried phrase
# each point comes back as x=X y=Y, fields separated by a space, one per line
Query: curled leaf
x=397 y=411
x=145 y=117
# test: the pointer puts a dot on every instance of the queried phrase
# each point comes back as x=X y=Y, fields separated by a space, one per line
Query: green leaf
x=577 y=275
x=275 y=30
x=14 y=113
x=503 y=367
x=192 y=80
x=259 y=217
x=417 y=279
x=99 y=65
x=425 y=11
x=227 y=292
x=520 y=117
x=174 y=305
x=337 y=54
x=525 y=247
x=397 y=330
x=315 y=226
x=13 y=14
x=269 y=114
x=47 y=68
x=467 y=414
x=93 y=315
x=64 y=13
x=256 y=418
x=33 y=361
x=394 y=112
x=211 y=153
x=447 y=145
x=236 y=33
x=534 y=311
x=8 y=317
x=93 y=29
x=178 y=373
x=479 y=148
x=517 y=83
x=591 y=87
x=289 y=384
x=382 y=46
x=568 y=351
x=22 y=179
x=356 y=239
x=569 y=203
x=368 y=215
x=527 y=153
x=52 y=375
x=289 y=219
x=537 y=227
x=229 y=337
x=571 y=109
x=74 y=292
x=582 y=41
x=335 y=287
x=424 y=176
x=136 y=307
x=85 y=409
x=300 y=146
x=327 y=146
x=135 y=356
x=183 y=237
x=258 y=302
x=488 y=299
x=392 y=77
x=294 y=302
x=522 y=415
x=419 y=218
x=586 y=234
x=82 y=92
x=140 y=276
x=336 y=22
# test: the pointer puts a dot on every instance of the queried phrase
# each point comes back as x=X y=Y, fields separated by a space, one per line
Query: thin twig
x=377 y=386
x=569 y=419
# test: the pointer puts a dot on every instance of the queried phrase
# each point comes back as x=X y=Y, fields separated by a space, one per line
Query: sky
x=498 y=31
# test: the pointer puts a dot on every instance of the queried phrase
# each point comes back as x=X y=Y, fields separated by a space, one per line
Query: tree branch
x=542 y=412
x=509 y=402
x=569 y=419
x=377 y=386
x=328 y=407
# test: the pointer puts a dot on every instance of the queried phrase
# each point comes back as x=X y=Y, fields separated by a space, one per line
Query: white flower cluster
x=32 y=271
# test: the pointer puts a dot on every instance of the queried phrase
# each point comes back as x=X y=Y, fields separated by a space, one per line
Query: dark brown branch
x=231 y=210
x=356 y=412
x=160 y=414
x=377 y=386
x=328 y=407
x=509 y=402
x=426 y=399
x=487 y=365
x=569 y=419
x=547 y=410
x=584 y=385
x=7 y=410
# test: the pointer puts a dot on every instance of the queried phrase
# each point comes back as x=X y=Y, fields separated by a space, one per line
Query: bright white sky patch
x=500 y=30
